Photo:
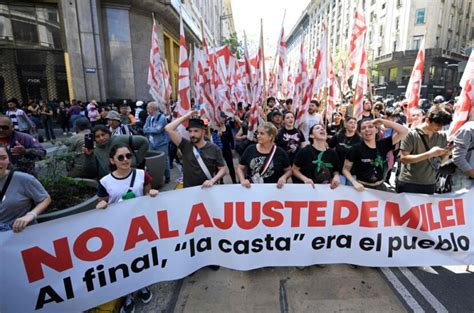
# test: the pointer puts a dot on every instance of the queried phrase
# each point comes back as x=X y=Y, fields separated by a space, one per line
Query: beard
x=194 y=139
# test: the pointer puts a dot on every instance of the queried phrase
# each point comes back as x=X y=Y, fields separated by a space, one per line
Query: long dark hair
x=113 y=151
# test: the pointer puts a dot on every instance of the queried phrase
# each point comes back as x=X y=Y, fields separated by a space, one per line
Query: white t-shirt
x=115 y=188
x=311 y=120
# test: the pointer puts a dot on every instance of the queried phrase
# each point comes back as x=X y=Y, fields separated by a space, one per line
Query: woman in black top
x=316 y=163
x=344 y=140
x=289 y=138
x=369 y=156
x=336 y=125
x=264 y=162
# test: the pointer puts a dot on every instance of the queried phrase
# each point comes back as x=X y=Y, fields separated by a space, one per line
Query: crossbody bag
x=257 y=178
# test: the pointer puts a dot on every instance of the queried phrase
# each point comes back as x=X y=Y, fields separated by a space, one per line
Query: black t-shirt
x=370 y=164
x=254 y=161
x=332 y=129
x=290 y=141
x=342 y=145
x=317 y=165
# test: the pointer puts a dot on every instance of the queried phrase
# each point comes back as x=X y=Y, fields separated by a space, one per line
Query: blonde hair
x=269 y=128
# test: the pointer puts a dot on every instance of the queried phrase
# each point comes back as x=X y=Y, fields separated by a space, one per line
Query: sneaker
x=128 y=306
x=353 y=266
x=301 y=267
x=145 y=295
x=64 y=134
x=167 y=180
x=214 y=267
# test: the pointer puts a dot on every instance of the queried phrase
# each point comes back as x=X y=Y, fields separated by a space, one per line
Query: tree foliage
x=235 y=45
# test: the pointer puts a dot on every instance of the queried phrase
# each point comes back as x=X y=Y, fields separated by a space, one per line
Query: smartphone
x=88 y=141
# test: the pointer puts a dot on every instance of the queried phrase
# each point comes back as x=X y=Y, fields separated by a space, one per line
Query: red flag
x=343 y=77
x=184 y=104
x=412 y=94
x=156 y=79
x=272 y=85
x=320 y=75
x=466 y=99
x=361 y=86
x=334 y=93
x=301 y=87
x=282 y=59
x=257 y=93
x=357 y=42
x=290 y=89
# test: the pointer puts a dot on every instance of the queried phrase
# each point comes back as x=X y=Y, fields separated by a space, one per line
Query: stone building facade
x=395 y=30
x=96 y=49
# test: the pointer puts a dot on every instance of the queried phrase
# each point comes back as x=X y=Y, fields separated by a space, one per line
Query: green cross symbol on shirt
x=320 y=162
x=378 y=162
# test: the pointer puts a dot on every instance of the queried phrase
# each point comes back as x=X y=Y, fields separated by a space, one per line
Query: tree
x=235 y=45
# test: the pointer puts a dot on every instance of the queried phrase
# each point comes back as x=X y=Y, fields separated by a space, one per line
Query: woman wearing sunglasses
x=123 y=183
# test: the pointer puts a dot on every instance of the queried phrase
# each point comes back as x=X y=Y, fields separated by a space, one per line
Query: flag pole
x=278 y=44
x=246 y=59
x=264 y=73
x=325 y=94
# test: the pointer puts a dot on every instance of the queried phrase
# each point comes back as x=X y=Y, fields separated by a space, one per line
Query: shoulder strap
x=203 y=166
x=422 y=139
x=5 y=186
x=268 y=161
x=132 y=182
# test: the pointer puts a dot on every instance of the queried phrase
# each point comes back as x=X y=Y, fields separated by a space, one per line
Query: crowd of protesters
x=387 y=148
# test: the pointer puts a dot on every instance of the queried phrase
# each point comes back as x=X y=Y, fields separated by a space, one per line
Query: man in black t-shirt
x=193 y=173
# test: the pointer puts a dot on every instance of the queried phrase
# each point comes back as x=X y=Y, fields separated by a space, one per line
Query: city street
x=333 y=288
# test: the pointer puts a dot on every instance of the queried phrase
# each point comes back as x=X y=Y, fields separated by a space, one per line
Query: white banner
x=78 y=262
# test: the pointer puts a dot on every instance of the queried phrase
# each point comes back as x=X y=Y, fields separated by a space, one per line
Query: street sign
x=91 y=69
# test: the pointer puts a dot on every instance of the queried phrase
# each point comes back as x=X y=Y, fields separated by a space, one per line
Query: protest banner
x=78 y=262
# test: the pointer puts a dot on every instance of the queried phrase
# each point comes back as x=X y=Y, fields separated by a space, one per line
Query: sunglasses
x=122 y=157
x=4 y=127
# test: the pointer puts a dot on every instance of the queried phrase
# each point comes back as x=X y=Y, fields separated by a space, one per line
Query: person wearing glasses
x=23 y=149
x=123 y=183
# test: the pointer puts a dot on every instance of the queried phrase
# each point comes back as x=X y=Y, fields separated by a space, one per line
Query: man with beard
x=203 y=163
x=312 y=118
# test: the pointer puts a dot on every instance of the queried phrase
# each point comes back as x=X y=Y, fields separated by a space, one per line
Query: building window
x=406 y=72
x=381 y=30
x=417 y=42
x=420 y=16
x=379 y=51
x=397 y=22
x=383 y=6
x=395 y=45
x=118 y=28
x=25 y=32
x=393 y=73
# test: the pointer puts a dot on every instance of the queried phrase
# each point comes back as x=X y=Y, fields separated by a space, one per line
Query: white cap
x=139 y=103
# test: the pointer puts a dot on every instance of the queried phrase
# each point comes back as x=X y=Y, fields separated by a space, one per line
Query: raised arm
x=401 y=131
x=175 y=137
